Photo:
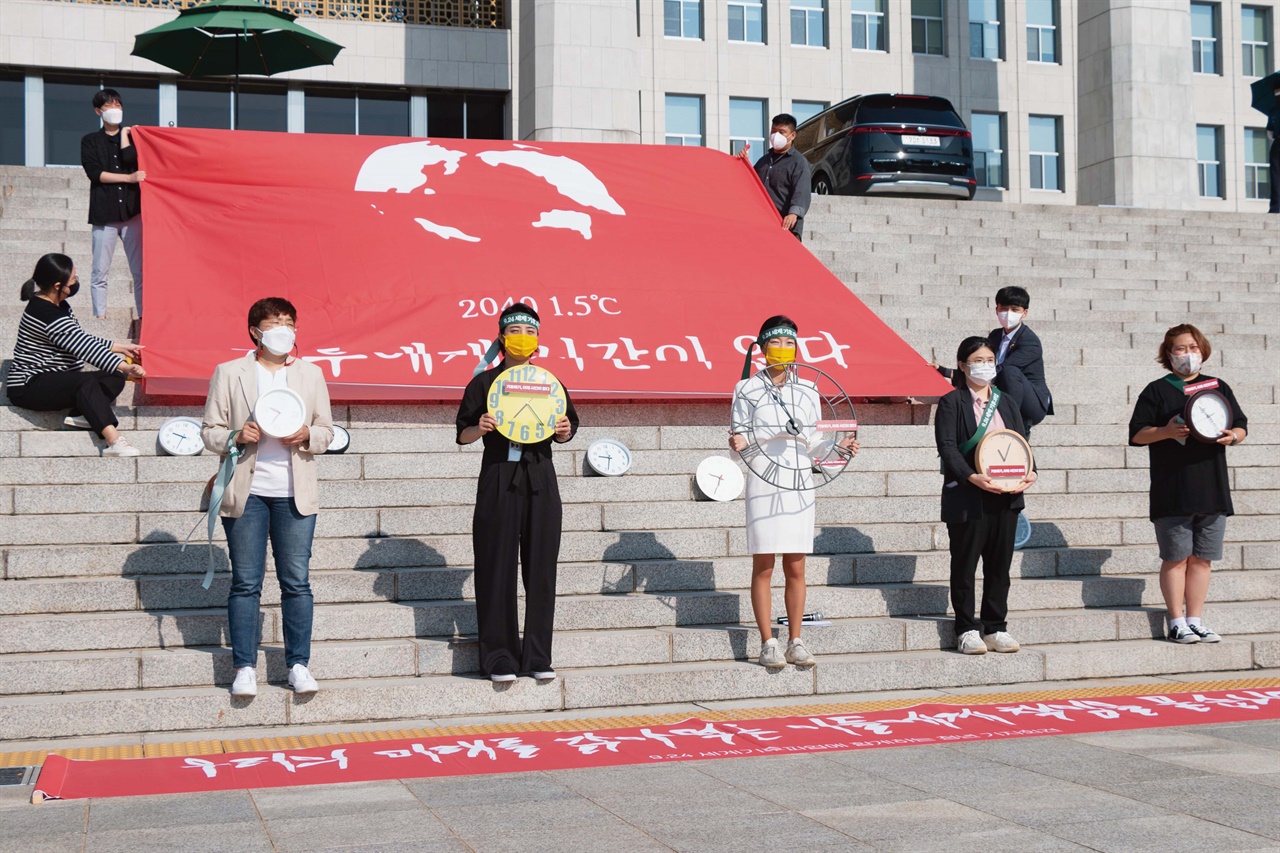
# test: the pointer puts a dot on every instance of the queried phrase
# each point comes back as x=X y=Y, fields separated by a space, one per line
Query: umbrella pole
x=236 y=118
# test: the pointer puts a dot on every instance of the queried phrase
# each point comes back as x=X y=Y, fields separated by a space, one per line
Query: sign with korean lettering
x=688 y=740
x=651 y=267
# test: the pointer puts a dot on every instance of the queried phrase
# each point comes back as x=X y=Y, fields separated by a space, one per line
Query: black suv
x=910 y=145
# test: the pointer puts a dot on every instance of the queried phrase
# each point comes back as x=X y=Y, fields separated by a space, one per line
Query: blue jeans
x=291 y=534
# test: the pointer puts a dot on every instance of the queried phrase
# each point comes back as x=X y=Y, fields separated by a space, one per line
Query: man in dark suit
x=1019 y=357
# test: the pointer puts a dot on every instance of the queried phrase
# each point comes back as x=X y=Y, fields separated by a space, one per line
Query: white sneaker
x=971 y=644
x=771 y=655
x=1000 y=642
x=76 y=422
x=544 y=675
x=502 y=677
x=122 y=447
x=798 y=654
x=246 y=683
x=301 y=681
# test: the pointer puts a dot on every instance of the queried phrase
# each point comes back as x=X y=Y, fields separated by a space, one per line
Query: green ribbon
x=221 y=480
x=987 y=414
x=1175 y=381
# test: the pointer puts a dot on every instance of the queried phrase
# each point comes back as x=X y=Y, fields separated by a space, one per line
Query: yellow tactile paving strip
x=213 y=747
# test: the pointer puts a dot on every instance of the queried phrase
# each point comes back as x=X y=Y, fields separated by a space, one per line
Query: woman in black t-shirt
x=1190 y=490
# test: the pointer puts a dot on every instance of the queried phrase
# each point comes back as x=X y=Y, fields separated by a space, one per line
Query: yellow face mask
x=520 y=346
x=776 y=354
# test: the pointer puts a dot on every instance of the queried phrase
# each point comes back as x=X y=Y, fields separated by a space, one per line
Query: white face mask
x=1187 y=363
x=1009 y=320
x=778 y=141
x=279 y=341
x=982 y=374
x=112 y=115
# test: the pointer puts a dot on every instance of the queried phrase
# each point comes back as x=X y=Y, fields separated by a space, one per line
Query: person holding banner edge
x=273 y=493
x=517 y=517
x=981 y=517
x=1190 y=483
x=779 y=521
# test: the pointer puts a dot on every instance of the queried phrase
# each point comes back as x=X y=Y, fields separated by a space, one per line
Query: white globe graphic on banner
x=399 y=169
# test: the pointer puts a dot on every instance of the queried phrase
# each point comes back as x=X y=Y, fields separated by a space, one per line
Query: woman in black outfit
x=48 y=359
x=981 y=518
x=1190 y=483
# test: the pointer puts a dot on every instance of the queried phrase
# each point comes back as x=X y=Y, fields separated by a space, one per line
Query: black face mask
x=73 y=290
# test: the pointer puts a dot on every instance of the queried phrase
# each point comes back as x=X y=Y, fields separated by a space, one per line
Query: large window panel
x=1255 y=36
x=386 y=115
x=13 y=106
x=68 y=116
x=263 y=108
x=1042 y=31
x=988 y=148
x=202 y=105
x=746 y=124
x=1046 y=158
x=330 y=112
x=682 y=18
x=141 y=102
x=746 y=21
x=1257 y=169
x=927 y=27
x=684 y=119
x=985 y=29
x=486 y=116
x=809 y=23
x=1209 y=160
x=868 y=25
x=1204 y=38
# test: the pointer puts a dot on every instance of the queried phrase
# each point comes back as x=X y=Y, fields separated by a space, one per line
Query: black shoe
x=1206 y=635
x=1183 y=634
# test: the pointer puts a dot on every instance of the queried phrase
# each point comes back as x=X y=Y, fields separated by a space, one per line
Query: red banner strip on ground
x=691 y=740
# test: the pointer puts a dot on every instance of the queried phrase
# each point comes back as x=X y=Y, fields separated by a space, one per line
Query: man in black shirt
x=784 y=171
x=1273 y=129
x=1190 y=486
x=115 y=199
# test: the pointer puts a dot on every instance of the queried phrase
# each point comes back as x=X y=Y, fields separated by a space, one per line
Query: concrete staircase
x=104 y=628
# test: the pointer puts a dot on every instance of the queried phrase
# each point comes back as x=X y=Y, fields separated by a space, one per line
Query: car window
x=807 y=133
x=912 y=110
x=834 y=121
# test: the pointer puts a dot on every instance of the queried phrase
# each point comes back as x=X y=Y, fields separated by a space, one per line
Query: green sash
x=987 y=414
x=983 y=425
x=1175 y=381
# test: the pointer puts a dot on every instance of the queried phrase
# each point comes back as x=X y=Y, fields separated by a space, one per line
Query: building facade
x=1129 y=102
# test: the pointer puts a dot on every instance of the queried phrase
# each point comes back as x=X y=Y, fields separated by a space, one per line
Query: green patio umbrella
x=228 y=38
x=1264 y=98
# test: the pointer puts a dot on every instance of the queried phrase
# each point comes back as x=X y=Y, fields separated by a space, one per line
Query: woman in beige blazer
x=273 y=492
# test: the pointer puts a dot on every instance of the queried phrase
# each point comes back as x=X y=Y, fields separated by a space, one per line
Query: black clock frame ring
x=1199 y=396
x=832 y=407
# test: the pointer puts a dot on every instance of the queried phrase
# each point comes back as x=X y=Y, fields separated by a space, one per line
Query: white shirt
x=273 y=469
x=1004 y=343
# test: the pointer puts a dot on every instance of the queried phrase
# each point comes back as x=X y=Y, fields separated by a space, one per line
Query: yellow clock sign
x=527 y=401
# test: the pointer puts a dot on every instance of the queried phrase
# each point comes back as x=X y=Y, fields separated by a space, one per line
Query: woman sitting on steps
x=48 y=359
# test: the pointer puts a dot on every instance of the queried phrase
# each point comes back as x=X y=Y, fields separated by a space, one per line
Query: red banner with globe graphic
x=651 y=267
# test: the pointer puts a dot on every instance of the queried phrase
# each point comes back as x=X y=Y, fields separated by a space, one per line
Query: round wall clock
x=181 y=437
x=341 y=440
x=608 y=457
x=280 y=412
x=527 y=400
x=719 y=478
x=1208 y=414
x=1004 y=456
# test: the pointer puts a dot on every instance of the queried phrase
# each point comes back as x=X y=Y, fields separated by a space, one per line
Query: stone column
x=1136 y=130
x=579 y=71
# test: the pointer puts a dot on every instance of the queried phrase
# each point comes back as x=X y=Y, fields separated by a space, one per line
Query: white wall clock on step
x=180 y=437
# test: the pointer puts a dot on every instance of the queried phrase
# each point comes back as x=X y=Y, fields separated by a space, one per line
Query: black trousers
x=1014 y=382
x=1274 y=160
x=991 y=539
x=84 y=393
x=518 y=515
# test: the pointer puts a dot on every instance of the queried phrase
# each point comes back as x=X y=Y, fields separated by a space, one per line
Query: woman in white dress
x=781 y=411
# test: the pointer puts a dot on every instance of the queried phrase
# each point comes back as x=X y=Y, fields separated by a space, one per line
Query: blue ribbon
x=488 y=357
x=220 y=482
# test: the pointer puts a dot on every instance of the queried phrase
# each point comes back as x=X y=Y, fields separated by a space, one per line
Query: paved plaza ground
x=1209 y=789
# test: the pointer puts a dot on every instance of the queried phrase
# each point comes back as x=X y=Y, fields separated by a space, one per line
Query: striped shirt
x=50 y=341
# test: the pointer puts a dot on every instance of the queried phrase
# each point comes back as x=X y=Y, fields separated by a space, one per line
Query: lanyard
x=219 y=488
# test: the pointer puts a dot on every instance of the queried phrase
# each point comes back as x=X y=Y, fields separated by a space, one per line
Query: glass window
x=1046 y=159
x=988 y=148
x=204 y=106
x=445 y=116
x=682 y=18
x=1204 y=38
x=385 y=115
x=746 y=124
x=809 y=23
x=1255 y=34
x=805 y=110
x=68 y=116
x=684 y=119
x=926 y=27
x=746 y=21
x=141 y=102
x=486 y=116
x=1209 y=160
x=906 y=109
x=330 y=112
x=1257 y=169
x=985 y=40
x=13 y=106
x=868 y=24
x=263 y=108
x=1042 y=31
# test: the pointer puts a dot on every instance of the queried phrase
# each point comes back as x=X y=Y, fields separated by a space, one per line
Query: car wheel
x=821 y=186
